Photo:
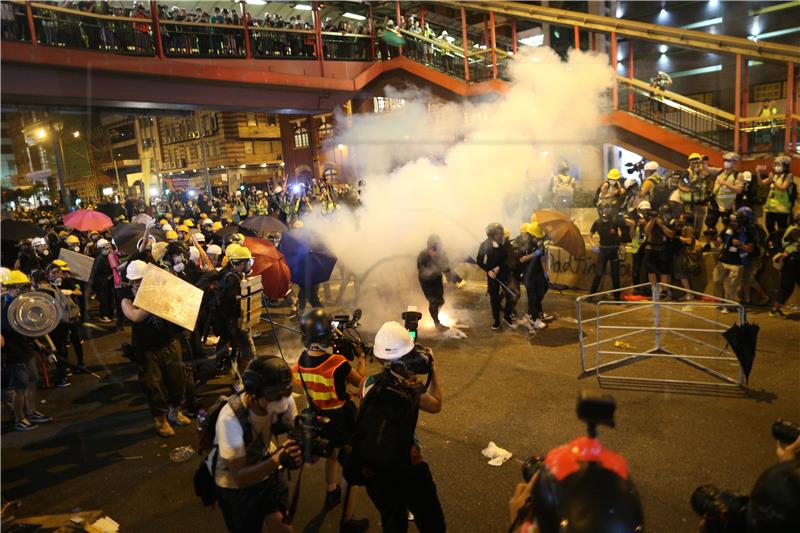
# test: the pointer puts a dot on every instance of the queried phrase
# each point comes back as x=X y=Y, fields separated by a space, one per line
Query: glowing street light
x=41 y=134
x=76 y=134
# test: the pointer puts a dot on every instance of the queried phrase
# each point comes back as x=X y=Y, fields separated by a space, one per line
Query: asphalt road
x=101 y=452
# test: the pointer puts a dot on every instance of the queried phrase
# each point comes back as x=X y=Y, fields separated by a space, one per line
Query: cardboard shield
x=169 y=297
x=80 y=265
x=250 y=301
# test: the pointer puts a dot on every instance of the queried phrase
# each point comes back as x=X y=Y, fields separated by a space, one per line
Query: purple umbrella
x=308 y=258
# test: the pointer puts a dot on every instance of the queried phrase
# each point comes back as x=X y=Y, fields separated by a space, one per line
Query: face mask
x=76 y=248
x=57 y=282
x=778 y=169
x=728 y=165
x=278 y=406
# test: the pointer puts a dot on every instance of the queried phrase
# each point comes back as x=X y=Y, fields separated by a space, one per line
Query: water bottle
x=201 y=419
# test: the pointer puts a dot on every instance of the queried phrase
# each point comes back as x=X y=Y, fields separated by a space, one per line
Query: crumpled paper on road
x=496 y=455
x=622 y=344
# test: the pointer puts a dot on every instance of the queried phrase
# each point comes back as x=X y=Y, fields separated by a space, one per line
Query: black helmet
x=584 y=488
x=267 y=376
x=316 y=327
x=773 y=502
x=493 y=229
x=665 y=210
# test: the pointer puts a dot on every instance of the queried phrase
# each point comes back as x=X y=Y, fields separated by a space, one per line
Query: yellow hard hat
x=72 y=239
x=216 y=226
x=162 y=222
x=61 y=264
x=524 y=228
x=236 y=252
x=168 y=216
x=535 y=230
x=695 y=156
x=189 y=223
x=158 y=250
x=16 y=277
x=613 y=174
x=237 y=238
x=63 y=234
x=203 y=216
x=172 y=235
x=184 y=228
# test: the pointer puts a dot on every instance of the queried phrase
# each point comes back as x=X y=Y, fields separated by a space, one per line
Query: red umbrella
x=269 y=262
x=87 y=220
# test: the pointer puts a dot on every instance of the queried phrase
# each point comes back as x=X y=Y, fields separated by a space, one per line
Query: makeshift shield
x=79 y=265
x=250 y=301
x=169 y=297
x=34 y=314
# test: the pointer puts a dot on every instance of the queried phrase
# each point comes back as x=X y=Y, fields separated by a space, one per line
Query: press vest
x=726 y=198
x=320 y=383
x=779 y=201
x=699 y=194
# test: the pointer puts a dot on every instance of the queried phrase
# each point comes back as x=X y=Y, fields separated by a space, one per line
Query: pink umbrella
x=87 y=220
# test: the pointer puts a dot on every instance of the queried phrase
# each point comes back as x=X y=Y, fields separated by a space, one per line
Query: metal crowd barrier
x=658 y=331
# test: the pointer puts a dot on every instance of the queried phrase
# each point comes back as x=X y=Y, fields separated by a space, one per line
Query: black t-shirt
x=731 y=254
x=339 y=375
x=17 y=348
x=153 y=333
x=610 y=232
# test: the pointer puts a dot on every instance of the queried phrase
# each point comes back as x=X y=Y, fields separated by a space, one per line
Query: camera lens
x=530 y=467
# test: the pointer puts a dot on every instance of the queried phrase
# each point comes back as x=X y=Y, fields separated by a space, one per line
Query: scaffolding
x=653 y=325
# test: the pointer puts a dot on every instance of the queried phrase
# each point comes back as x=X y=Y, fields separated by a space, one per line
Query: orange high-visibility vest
x=320 y=383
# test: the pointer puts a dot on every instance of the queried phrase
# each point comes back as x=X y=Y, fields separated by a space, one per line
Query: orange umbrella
x=270 y=263
x=561 y=230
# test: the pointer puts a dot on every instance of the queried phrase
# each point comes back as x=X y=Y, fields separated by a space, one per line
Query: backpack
x=387 y=419
x=659 y=193
x=204 y=478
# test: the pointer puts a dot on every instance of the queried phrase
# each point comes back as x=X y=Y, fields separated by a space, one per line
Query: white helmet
x=651 y=165
x=38 y=241
x=4 y=274
x=194 y=255
x=213 y=249
x=103 y=243
x=199 y=237
x=207 y=222
x=167 y=227
x=644 y=204
x=392 y=342
x=135 y=270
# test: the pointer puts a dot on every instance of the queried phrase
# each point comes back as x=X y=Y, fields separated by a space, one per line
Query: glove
x=537 y=253
x=595 y=249
x=52 y=358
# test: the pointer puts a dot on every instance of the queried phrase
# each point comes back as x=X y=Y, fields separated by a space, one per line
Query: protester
x=432 y=264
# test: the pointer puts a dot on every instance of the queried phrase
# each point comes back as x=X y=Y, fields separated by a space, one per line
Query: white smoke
x=453 y=169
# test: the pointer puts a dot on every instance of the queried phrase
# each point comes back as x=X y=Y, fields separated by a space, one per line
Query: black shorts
x=342 y=426
x=245 y=509
x=658 y=262
x=22 y=375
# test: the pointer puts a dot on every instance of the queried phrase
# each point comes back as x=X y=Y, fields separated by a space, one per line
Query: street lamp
x=76 y=134
x=41 y=134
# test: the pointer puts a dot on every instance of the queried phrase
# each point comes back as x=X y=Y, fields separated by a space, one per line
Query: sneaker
x=508 y=321
x=24 y=425
x=496 y=326
x=176 y=417
x=777 y=313
x=333 y=498
x=38 y=418
x=162 y=427
x=354 y=526
x=546 y=317
x=63 y=384
x=724 y=311
x=539 y=324
x=440 y=327
x=104 y=319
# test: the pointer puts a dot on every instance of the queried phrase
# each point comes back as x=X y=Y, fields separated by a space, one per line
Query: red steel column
x=737 y=102
x=614 y=66
x=630 y=74
x=790 y=99
x=577 y=38
x=465 y=43
x=245 y=24
x=31 y=25
x=371 y=32
x=156 y=29
x=494 y=46
x=318 y=38
x=514 y=36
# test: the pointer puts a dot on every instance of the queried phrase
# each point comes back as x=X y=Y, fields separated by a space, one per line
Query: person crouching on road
x=432 y=264
x=325 y=375
x=157 y=341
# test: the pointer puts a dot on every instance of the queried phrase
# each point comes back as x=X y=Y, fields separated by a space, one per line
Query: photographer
x=659 y=232
x=386 y=455
x=693 y=187
x=735 y=245
x=324 y=376
x=251 y=487
x=728 y=185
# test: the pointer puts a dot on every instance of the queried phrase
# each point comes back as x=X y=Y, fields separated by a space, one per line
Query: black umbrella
x=742 y=339
x=126 y=236
x=264 y=224
x=111 y=209
x=17 y=230
x=230 y=229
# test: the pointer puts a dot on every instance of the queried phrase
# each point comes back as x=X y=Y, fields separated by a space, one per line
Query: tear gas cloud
x=455 y=168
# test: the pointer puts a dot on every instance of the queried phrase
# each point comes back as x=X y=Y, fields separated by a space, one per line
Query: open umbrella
x=262 y=224
x=562 y=231
x=110 y=209
x=126 y=236
x=17 y=230
x=393 y=38
x=270 y=264
x=142 y=218
x=742 y=339
x=308 y=258
x=226 y=231
x=87 y=220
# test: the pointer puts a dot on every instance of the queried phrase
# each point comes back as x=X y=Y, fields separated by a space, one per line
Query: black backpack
x=385 y=427
x=659 y=193
x=204 y=482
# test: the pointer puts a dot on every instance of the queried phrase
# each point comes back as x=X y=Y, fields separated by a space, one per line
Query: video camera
x=308 y=430
x=593 y=409
x=346 y=338
x=636 y=168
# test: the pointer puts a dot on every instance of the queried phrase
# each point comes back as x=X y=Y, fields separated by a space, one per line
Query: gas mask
x=278 y=407
x=56 y=282
x=778 y=169
x=727 y=165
